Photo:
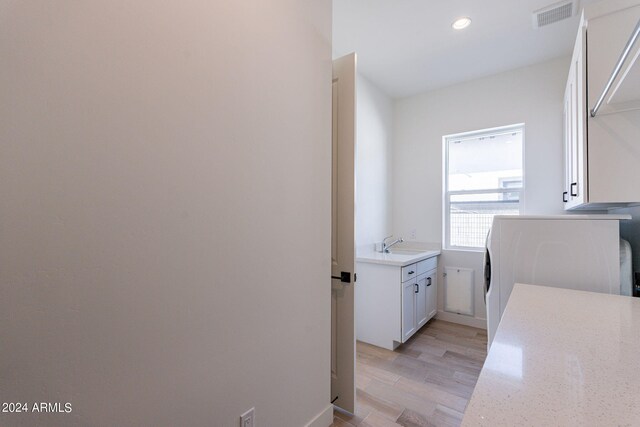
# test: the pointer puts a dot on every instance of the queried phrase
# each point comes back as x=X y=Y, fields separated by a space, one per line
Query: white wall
x=531 y=95
x=373 y=164
x=165 y=221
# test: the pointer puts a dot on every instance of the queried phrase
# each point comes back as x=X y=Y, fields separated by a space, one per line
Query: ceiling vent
x=554 y=13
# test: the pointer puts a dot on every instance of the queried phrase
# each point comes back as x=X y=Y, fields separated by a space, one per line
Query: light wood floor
x=425 y=382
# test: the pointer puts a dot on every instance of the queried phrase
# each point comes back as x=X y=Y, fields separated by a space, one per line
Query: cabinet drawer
x=427 y=265
x=409 y=272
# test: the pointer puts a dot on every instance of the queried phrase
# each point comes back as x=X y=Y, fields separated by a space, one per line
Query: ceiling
x=408 y=46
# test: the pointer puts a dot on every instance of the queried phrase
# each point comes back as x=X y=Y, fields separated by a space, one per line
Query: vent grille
x=554 y=13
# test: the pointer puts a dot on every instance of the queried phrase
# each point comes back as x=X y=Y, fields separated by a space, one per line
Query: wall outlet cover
x=248 y=418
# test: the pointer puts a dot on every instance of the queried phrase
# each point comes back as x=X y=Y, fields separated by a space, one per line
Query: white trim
x=523 y=198
x=445 y=196
x=486 y=191
x=323 y=419
x=495 y=130
x=475 y=322
x=469 y=249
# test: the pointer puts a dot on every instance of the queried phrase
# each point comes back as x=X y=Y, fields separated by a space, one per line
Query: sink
x=406 y=251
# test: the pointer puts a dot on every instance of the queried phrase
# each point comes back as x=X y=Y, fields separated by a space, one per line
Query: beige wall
x=531 y=95
x=165 y=221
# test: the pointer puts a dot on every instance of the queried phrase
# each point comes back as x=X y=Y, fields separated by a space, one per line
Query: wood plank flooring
x=425 y=382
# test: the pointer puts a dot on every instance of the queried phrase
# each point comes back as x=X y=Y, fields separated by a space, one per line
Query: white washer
x=565 y=251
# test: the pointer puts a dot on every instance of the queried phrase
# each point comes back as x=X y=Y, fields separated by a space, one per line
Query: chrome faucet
x=385 y=246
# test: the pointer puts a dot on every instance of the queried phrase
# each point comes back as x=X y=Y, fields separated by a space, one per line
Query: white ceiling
x=408 y=46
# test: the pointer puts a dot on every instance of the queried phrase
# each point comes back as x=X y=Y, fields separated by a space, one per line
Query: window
x=483 y=177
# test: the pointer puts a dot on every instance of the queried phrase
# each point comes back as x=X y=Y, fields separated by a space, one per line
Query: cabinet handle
x=417 y=289
x=411 y=272
x=576 y=192
x=428 y=281
x=564 y=197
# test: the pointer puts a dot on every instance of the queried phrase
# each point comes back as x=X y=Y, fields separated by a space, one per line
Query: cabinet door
x=575 y=129
x=408 y=309
x=432 y=294
x=577 y=188
x=421 y=300
x=568 y=152
x=567 y=143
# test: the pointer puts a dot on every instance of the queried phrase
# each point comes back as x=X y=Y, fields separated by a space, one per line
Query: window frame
x=446 y=195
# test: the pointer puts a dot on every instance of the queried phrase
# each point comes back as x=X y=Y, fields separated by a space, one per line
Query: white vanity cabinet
x=418 y=302
x=393 y=301
x=601 y=146
x=409 y=309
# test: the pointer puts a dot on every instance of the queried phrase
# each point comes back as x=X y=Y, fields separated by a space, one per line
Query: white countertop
x=573 y=217
x=561 y=358
x=401 y=258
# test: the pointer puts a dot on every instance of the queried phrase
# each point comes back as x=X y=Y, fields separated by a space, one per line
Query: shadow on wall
x=630 y=231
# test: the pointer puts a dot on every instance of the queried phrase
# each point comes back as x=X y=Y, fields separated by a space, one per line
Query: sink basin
x=405 y=251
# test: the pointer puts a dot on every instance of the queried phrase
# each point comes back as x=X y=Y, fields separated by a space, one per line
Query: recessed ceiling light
x=461 y=23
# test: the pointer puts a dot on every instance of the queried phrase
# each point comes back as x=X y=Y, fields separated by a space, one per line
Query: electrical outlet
x=413 y=233
x=248 y=418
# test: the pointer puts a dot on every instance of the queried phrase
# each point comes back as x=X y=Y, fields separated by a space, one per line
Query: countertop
x=561 y=357
x=572 y=217
x=401 y=259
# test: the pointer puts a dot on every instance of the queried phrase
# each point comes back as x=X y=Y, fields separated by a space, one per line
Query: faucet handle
x=380 y=247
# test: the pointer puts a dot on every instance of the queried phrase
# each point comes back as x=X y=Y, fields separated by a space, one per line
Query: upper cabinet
x=575 y=125
x=602 y=110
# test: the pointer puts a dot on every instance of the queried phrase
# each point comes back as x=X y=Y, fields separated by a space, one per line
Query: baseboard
x=323 y=419
x=462 y=319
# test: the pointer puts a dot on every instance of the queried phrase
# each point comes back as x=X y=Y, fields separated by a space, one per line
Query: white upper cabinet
x=574 y=125
x=602 y=150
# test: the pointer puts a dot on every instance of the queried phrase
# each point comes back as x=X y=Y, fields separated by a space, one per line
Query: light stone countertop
x=571 y=217
x=401 y=257
x=561 y=357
